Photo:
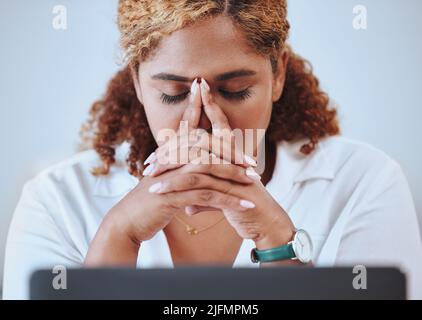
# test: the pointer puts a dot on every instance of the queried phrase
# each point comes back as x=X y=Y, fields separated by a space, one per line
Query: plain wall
x=49 y=78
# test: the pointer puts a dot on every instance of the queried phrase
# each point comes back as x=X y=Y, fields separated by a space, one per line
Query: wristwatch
x=300 y=248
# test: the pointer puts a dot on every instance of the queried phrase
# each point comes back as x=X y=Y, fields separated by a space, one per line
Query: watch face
x=302 y=246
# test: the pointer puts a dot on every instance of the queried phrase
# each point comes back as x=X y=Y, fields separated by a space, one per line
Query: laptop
x=220 y=283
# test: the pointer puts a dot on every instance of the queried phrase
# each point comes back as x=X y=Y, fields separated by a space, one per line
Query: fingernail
x=190 y=210
x=148 y=170
x=247 y=204
x=250 y=161
x=156 y=187
x=152 y=157
x=194 y=86
x=205 y=85
x=251 y=173
x=193 y=89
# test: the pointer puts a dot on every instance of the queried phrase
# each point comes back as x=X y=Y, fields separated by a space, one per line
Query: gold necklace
x=192 y=230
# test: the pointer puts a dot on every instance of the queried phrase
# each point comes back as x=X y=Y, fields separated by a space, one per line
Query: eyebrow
x=221 y=77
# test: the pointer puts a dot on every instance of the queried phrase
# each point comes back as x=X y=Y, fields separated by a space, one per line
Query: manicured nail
x=190 y=210
x=251 y=173
x=152 y=157
x=250 y=161
x=148 y=170
x=193 y=89
x=204 y=85
x=156 y=187
x=247 y=204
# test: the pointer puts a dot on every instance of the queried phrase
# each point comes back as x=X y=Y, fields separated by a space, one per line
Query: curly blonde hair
x=303 y=110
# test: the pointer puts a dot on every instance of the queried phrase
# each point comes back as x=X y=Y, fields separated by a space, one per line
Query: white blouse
x=352 y=198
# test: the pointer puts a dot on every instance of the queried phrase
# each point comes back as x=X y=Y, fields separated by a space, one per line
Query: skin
x=209 y=191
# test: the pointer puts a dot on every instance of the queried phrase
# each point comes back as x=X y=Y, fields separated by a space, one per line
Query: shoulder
x=361 y=170
x=73 y=176
x=356 y=157
x=63 y=198
x=75 y=169
x=337 y=159
x=341 y=145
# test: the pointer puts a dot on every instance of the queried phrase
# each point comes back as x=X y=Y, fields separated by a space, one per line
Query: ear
x=280 y=74
x=134 y=71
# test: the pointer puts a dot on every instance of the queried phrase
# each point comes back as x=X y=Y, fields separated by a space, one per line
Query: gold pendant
x=191 y=231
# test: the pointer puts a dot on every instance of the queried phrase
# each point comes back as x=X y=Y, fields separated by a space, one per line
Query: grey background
x=49 y=78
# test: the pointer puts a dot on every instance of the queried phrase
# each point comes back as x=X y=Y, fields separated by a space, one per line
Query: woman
x=200 y=69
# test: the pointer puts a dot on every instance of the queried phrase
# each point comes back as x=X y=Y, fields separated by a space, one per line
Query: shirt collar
x=322 y=163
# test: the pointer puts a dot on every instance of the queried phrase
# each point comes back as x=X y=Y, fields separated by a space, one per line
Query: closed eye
x=239 y=95
x=173 y=99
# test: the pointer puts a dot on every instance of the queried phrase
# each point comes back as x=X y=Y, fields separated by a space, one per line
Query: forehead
x=206 y=47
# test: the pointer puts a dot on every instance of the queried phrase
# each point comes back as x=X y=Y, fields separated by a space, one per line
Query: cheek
x=250 y=114
x=163 y=119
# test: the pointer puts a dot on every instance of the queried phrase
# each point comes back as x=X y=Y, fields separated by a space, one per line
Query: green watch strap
x=275 y=254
